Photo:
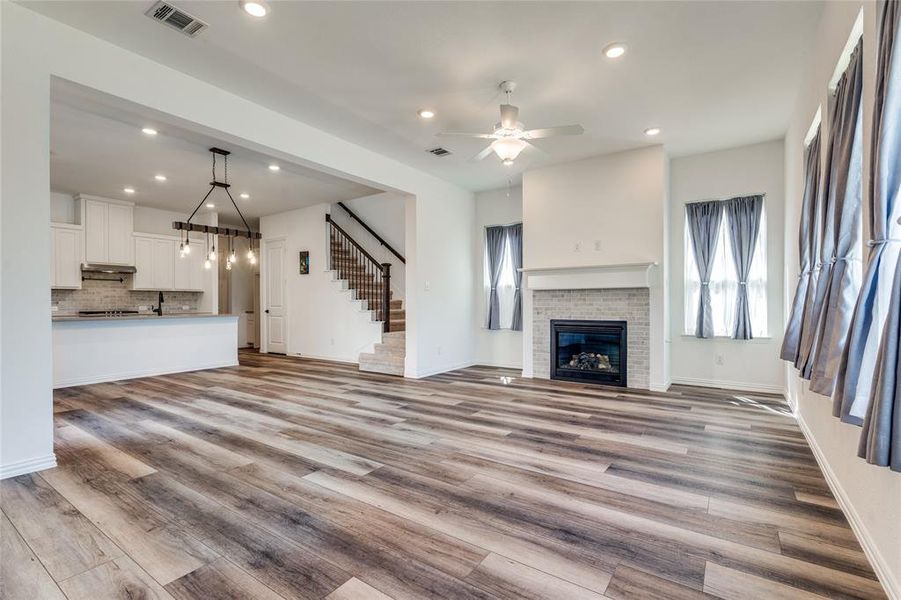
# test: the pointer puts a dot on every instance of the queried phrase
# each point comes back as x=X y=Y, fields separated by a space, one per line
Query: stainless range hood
x=107 y=269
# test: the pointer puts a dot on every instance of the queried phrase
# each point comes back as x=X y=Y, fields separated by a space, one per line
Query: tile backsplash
x=103 y=295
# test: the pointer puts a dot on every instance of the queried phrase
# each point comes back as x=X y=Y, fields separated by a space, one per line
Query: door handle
x=267 y=311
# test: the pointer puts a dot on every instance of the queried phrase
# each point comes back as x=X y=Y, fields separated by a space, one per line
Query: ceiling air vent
x=439 y=151
x=176 y=19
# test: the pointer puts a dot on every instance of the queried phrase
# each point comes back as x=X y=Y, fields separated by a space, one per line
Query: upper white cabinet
x=159 y=267
x=108 y=228
x=65 y=256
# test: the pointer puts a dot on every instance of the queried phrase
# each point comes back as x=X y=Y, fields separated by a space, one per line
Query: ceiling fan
x=509 y=135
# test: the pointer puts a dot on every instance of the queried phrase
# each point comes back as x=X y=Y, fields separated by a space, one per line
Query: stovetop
x=111 y=312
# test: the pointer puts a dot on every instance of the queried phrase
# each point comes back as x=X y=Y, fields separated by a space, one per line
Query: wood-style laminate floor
x=289 y=478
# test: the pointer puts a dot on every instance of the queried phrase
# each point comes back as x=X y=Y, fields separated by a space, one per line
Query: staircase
x=371 y=283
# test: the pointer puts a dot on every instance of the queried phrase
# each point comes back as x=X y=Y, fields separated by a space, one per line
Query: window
x=506 y=285
x=724 y=284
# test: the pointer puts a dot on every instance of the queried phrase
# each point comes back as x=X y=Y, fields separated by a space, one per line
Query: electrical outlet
x=439 y=350
x=428 y=286
x=577 y=247
x=597 y=245
x=718 y=359
x=332 y=341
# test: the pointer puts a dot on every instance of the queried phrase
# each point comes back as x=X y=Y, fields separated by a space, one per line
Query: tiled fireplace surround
x=631 y=305
x=627 y=292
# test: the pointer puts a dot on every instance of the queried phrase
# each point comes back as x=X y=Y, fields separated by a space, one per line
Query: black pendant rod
x=188 y=226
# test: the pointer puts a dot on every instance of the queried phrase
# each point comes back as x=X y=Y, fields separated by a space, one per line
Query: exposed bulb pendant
x=207 y=264
x=212 y=254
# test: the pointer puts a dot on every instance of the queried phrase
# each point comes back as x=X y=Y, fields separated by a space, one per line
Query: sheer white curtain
x=724 y=285
x=506 y=286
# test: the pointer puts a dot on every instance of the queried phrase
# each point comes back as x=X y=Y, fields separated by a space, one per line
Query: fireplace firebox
x=589 y=351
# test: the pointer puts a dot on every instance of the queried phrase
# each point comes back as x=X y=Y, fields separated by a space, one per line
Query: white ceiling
x=99 y=149
x=710 y=74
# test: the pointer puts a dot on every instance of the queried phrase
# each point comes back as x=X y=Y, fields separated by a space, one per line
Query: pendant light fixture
x=212 y=231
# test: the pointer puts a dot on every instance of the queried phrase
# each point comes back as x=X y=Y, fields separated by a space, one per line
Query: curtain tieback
x=803 y=273
x=882 y=242
x=705 y=283
x=836 y=259
x=742 y=283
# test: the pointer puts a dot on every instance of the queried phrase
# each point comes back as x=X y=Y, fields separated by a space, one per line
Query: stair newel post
x=386 y=295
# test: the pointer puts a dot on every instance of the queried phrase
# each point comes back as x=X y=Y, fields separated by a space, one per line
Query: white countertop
x=138 y=317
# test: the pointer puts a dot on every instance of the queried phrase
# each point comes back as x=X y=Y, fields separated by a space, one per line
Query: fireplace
x=589 y=351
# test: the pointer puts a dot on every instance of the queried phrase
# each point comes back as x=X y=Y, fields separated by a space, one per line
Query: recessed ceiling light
x=274 y=168
x=614 y=50
x=129 y=190
x=160 y=177
x=149 y=131
x=210 y=205
x=254 y=8
x=426 y=113
x=245 y=195
x=652 y=131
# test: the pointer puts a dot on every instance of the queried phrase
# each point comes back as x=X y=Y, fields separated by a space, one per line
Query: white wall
x=385 y=213
x=440 y=211
x=501 y=348
x=870 y=495
x=604 y=210
x=323 y=319
x=746 y=364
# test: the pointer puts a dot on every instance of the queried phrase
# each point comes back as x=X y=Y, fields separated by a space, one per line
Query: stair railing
x=379 y=238
x=370 y=279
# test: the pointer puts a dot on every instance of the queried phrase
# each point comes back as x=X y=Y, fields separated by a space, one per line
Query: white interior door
x=274 y=312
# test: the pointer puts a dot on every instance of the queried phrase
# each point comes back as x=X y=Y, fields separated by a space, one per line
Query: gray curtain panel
x=880 y=441
x=845 y=190
x=806 y=247
x=514 y=235
x=743 y=219
x=854 y=382
x=704 y=219
x=495 y=238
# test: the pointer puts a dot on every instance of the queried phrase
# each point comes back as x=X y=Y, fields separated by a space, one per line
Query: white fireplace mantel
x=587 y=277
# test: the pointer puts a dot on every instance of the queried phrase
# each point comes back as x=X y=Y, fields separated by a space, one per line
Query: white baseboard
x=497 y=364
x=880 y=564
x=338 y=359
x=743 y=386
x=443 y=369
x=657 y=386
x=106 y=377
x=28 y=466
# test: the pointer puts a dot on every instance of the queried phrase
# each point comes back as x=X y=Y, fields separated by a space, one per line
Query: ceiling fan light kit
x=510 y=135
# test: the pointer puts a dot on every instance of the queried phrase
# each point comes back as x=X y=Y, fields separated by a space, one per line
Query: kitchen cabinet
x=108 y=228
x=159 y=266
x=65 y=256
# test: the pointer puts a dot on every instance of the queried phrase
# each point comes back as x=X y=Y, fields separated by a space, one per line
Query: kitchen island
x=98 y=349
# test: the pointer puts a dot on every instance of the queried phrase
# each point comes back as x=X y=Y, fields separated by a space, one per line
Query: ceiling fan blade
x=487 y=136
x=533 y=148
x=509 y=116
x=536 y=134
x=483 y=154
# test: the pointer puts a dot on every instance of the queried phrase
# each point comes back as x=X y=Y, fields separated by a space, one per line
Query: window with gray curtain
x=878 y=397
x=737 y=292
x=743 y=216
x=854 y=384
x=840 y=283
x=703 y=221
x=503 y=258
x=791 y=342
